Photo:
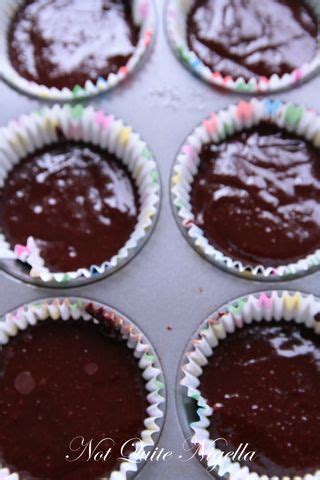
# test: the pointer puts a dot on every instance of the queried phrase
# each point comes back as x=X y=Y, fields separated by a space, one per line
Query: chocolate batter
x=64 y=43
x=264 y=384
x=250 y=38
x=76 y=200
x=257 y=196
x=60 y=380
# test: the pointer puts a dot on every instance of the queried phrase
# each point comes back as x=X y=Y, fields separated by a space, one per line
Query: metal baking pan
x=167 y=289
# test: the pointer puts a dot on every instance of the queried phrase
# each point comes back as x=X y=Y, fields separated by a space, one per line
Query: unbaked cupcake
x=68 y=370
x=64 y=49
x=246 y=189
x=80 y=194
x=251 y=373
x=246 y=46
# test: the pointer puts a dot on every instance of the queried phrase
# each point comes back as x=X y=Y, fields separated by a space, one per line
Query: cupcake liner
x=277 y=305
x=216 y=128
x=144 y=15
x=176 y=16
x=41 y=128
x=75 y=308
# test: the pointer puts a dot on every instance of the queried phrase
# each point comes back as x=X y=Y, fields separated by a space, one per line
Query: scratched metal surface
x=167 y=283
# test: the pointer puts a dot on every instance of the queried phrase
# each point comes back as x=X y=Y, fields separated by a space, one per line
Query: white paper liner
x=177 y=13
x=216 y=128
x=75 y=308
x=41 y=128
x=276 y=305
x=144 y=16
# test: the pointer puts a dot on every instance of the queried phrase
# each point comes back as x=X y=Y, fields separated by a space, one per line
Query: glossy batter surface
x=257 y=196
x=63 y=43
x=61 y=380
x=263 y=382
x=76 y=200
x=250 y=38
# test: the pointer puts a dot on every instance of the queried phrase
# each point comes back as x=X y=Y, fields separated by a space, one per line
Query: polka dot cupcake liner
x=276 y=305
x=144 y=15
x=76 y=308
x=76 y=123
x=220 y=125
x=176 y=17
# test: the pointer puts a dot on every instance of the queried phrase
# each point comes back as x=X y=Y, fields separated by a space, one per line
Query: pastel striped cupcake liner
x=176 y=18
x=40 y=128
x=144 y=16
x=275 y=305
x=216 y=128
x=75 y=309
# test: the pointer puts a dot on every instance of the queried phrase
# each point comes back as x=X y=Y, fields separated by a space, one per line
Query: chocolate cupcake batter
x=64 y=43
x=257 y=196
x=250 y=38
x=61 y=380
x=263 y=383
x=77 y=201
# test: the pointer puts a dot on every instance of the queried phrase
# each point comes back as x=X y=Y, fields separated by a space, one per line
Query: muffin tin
x=167 y=289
